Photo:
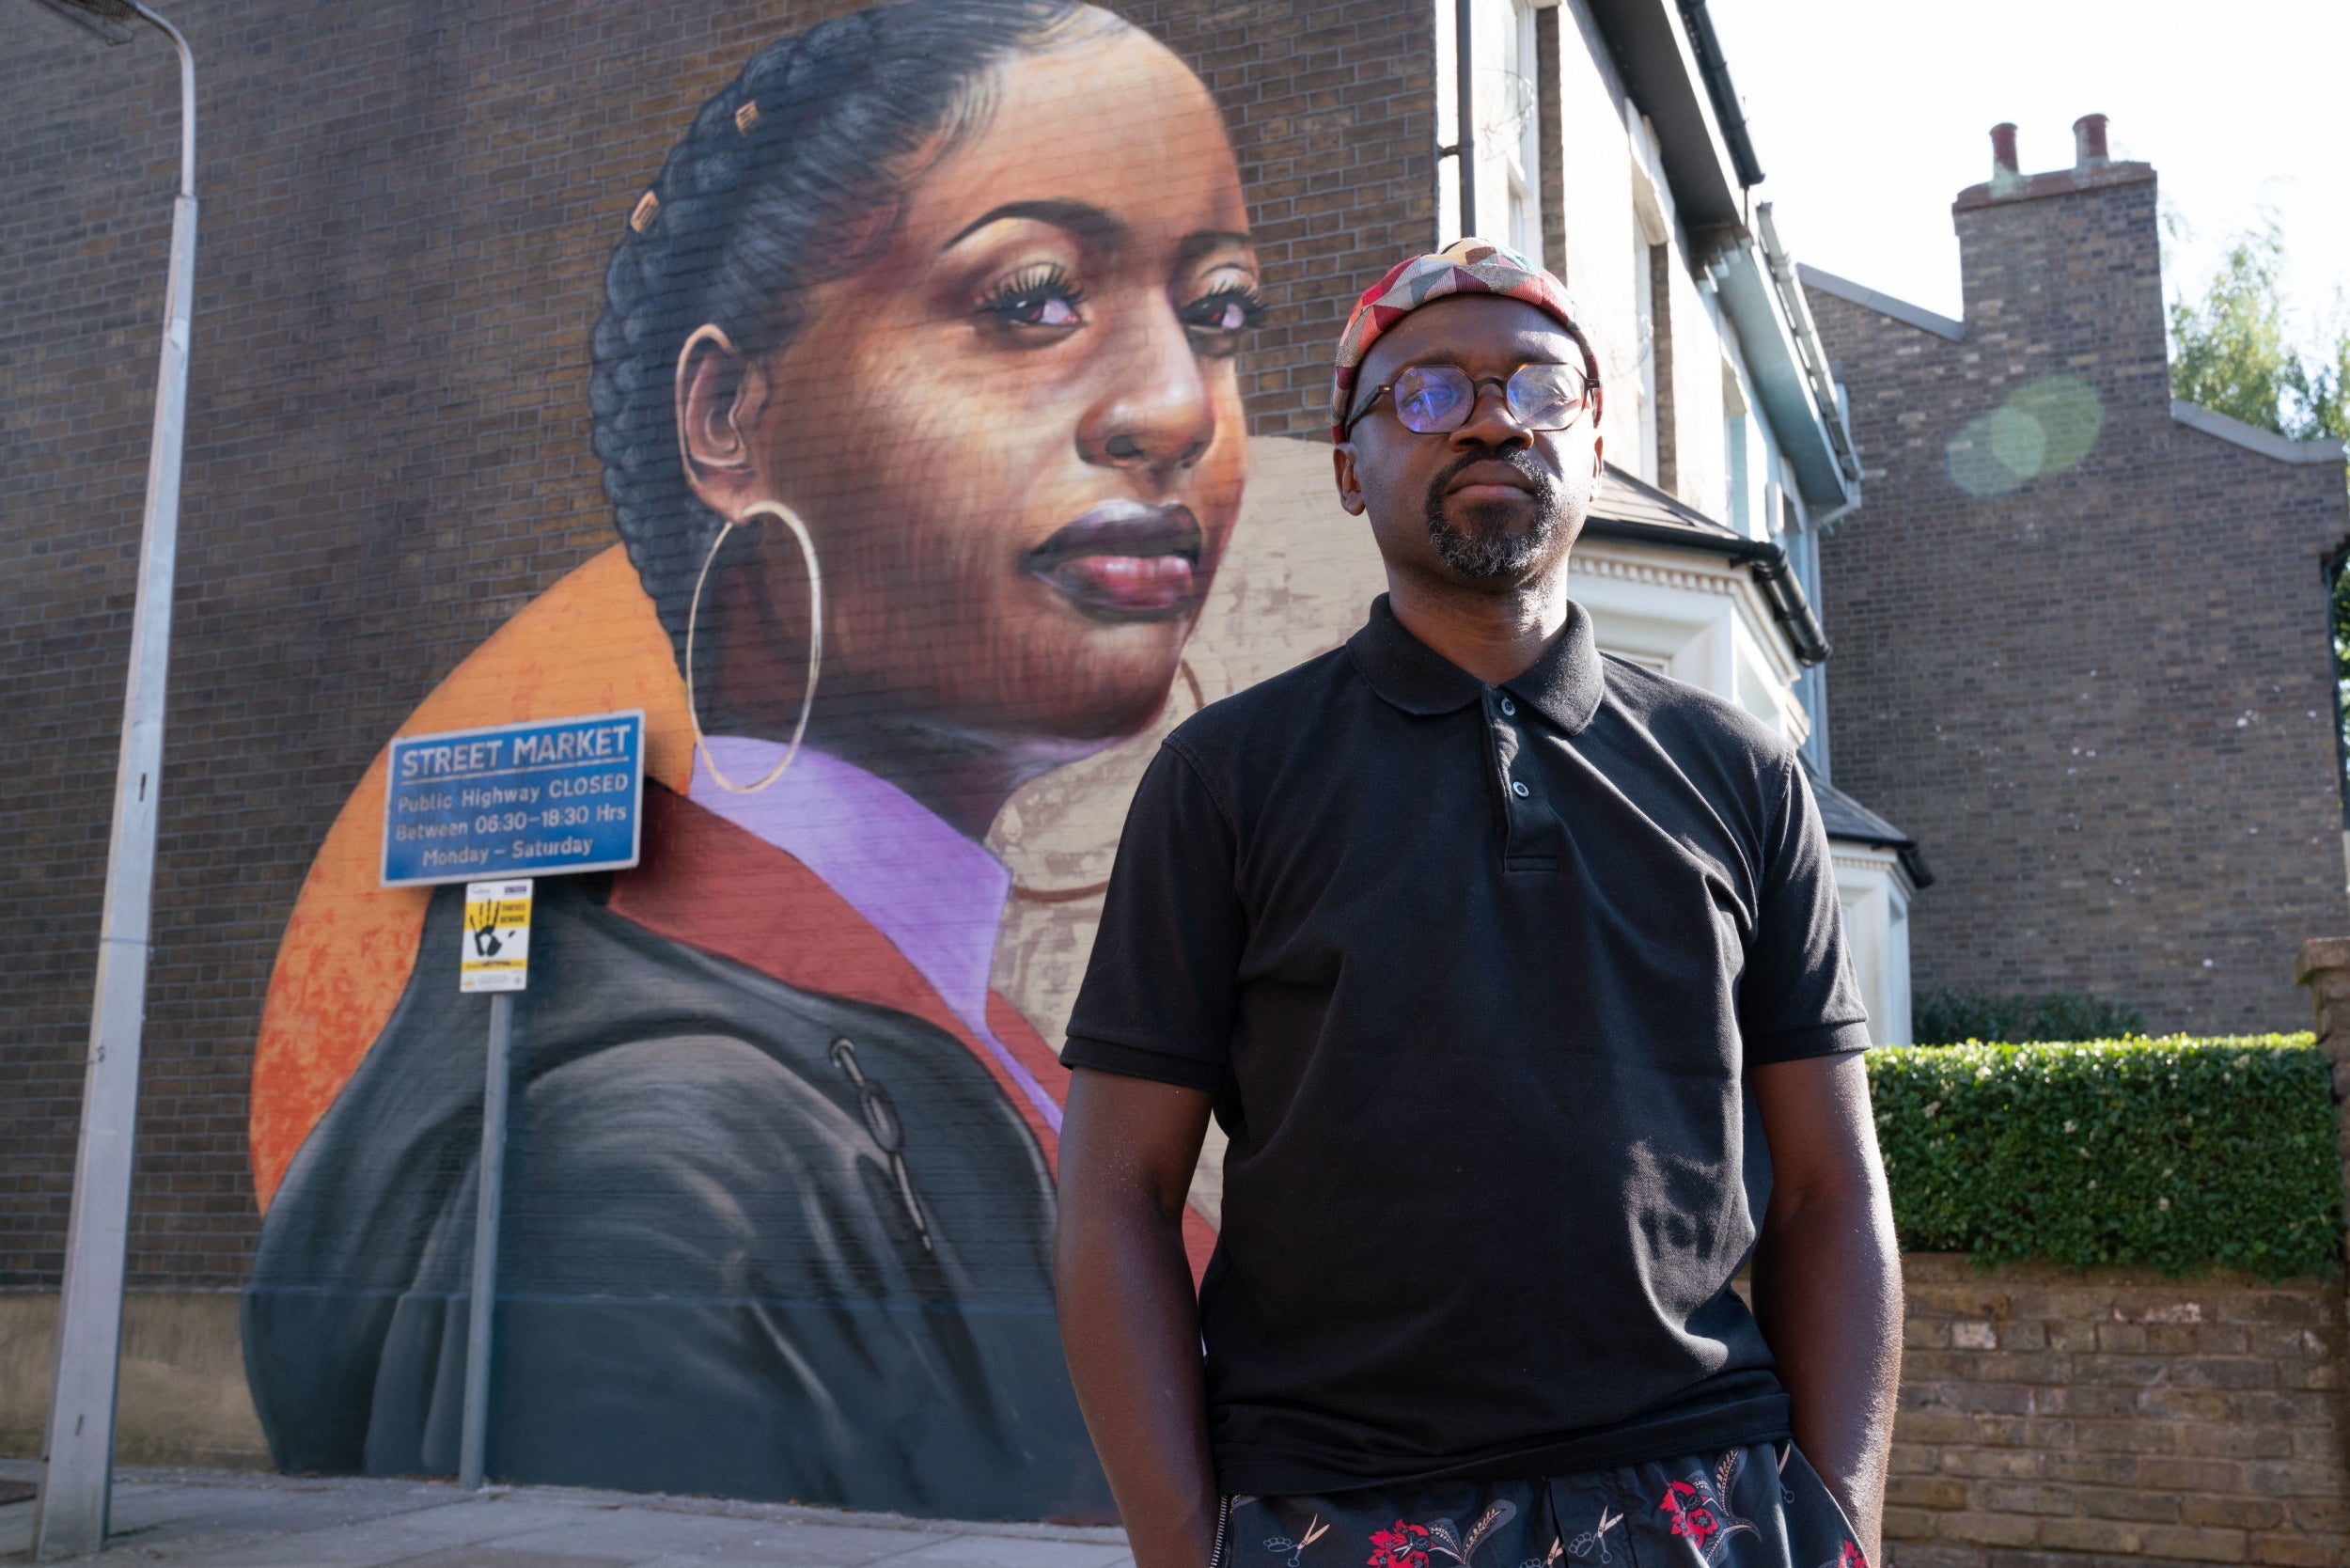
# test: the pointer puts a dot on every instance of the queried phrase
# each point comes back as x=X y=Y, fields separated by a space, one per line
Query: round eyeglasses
x=1432 y=399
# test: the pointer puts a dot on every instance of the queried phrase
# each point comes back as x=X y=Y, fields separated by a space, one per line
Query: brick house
x=2082 y=637
x=1611 y=142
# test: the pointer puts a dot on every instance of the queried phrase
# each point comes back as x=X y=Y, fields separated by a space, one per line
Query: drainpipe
x=1766 y=563
x=1464 y=98
x=1728 y=111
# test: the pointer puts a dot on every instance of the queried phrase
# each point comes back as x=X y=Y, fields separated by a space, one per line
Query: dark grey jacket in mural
x=758 y=1240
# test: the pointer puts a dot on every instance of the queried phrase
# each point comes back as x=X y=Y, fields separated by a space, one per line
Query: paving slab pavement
x=228 y=1519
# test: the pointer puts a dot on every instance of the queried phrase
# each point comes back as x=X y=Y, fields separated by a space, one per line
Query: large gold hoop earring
x=815 y=643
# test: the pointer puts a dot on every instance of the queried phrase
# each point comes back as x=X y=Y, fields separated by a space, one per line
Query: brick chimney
x=2088 y=142
x=2003 y=147
x=2005 y=177
x=2065 y=268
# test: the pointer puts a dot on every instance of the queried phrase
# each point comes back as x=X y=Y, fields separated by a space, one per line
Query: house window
x=1644 y=308
x=1504 y=123
x=1549 y=149
x=1660 y=264
x=1652 y=271
x=2338 y=601
x=1737 y=491
x=1802 y=554
x=1517 y=134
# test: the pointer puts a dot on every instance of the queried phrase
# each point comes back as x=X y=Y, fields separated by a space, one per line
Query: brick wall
x=2051 y=1416
x=1332 y=110
x=2048 y=1418
x=2097 y=695
x=407 y=210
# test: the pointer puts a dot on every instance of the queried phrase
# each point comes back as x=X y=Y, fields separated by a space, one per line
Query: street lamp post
x=77 y=1482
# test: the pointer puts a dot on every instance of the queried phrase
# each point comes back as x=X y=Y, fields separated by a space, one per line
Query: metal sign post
x=515 y=802
x=496 y=959
x=474 y=1436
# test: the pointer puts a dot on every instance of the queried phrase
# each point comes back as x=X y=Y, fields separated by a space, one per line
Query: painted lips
x=1125 y=560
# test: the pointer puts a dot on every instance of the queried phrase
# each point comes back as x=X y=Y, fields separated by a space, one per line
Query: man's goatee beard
x=1495 y=552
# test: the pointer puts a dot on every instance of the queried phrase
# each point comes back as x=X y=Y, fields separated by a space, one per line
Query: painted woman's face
x=1017 y=436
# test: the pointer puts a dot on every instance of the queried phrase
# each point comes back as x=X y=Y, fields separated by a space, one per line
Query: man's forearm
x=1130 y=1322
x=1828 y=1290
x=1132 y=1329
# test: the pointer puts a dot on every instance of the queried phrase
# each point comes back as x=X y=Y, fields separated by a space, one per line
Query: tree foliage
x=2233 y=351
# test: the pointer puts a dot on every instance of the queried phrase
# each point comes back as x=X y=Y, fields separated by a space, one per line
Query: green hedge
x=1946 y=1017
x=2182 y=1153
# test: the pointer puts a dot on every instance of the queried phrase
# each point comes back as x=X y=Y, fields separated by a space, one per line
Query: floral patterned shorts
x=1757 y=1507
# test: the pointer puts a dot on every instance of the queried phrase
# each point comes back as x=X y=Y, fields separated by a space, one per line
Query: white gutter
x=1790 y=290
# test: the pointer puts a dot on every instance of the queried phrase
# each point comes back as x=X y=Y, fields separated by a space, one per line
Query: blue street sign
x=535 y=799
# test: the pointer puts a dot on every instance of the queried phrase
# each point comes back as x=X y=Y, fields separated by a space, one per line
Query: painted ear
x=719 y=394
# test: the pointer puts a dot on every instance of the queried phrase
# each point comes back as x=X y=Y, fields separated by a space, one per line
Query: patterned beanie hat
x=1469 y=266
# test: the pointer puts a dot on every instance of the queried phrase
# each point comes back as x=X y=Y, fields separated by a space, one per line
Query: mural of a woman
x=933 y=309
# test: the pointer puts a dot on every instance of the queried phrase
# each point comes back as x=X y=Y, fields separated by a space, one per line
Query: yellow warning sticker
x=497 y=936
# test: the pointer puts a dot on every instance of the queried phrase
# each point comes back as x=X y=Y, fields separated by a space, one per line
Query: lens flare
x=2044 y=428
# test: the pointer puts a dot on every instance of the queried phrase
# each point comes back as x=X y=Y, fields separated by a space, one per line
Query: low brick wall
x=2053 y=1416
x=182 y=1398
x=2049 y=1419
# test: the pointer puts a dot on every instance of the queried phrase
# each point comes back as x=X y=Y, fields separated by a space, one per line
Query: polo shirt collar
x=1564 y=686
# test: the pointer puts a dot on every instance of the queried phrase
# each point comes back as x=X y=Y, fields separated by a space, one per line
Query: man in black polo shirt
x=1516 y=975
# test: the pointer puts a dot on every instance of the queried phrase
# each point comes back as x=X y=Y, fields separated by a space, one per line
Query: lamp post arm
x=187 y=96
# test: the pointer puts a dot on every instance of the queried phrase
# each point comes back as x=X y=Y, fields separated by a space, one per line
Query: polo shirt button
x=1508 y=707
x=1517 y=788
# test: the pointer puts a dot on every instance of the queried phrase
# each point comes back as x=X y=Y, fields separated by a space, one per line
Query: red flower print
x=1692 y=1513
x=1399 y=1548
x=1852 y=1556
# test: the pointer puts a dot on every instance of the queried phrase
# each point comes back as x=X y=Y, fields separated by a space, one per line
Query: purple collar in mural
x=936 y=895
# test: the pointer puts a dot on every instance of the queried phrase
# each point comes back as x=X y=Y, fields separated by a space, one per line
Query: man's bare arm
x=1827 y=1283
x=1129 y=1321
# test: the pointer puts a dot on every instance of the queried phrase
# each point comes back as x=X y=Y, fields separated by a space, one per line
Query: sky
x=1870 y=115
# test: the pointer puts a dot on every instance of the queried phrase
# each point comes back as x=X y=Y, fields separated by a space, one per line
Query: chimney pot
x=2089 y=141
x=2003 y=148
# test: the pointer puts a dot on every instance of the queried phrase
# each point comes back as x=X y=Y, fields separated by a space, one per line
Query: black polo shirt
x=1475 y=975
